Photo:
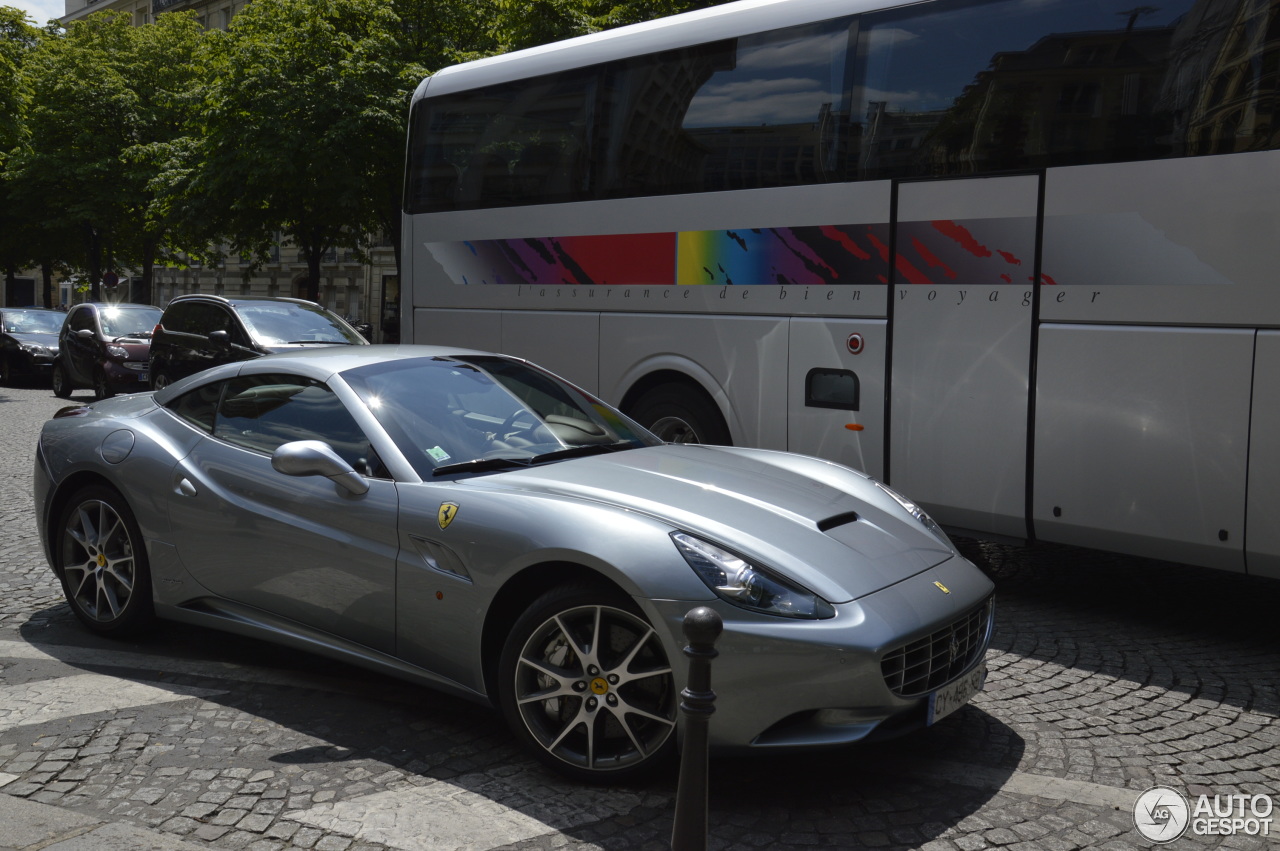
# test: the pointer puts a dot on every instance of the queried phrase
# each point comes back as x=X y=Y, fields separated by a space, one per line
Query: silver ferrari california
x=472 y=522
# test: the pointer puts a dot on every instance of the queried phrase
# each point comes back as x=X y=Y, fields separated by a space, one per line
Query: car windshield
x=128 y=321
x=483 y=413
x=284 y=323
x=32 y=322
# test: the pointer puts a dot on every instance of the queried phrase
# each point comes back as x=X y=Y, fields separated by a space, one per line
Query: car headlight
x=118 y=352
x=916 y=512
x=748 y=585
x=36 y=349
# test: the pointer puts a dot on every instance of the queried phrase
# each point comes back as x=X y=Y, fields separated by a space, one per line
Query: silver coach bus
x=1018 y=258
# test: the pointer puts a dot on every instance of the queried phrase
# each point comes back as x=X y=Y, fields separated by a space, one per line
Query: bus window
x=947 y=91
x=519 y=143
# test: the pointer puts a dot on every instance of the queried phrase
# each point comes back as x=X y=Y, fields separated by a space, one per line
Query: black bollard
x=702 y=626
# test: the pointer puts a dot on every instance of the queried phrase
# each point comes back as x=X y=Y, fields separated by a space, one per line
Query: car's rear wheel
x=159 y=381
x=102 y=563
x=101 y=387
x=61 y=382
x=584 y=681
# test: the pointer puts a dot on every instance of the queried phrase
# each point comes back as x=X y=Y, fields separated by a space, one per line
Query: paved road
x=1108 y=676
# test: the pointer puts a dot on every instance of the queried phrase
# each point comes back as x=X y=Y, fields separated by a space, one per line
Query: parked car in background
x=471 y=522
x=104 y=346
x=28 y=342
x=200 y=331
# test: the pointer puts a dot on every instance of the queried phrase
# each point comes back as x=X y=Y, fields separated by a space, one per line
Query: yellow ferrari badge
x=448 y=510
x=944 y=589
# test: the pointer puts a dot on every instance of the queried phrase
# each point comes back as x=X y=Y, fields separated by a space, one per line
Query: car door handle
x=185 y=487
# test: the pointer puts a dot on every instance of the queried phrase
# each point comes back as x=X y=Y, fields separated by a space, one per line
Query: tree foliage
x=303 y=100
x=121 y=146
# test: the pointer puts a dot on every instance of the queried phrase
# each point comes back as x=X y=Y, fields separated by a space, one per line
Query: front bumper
x=793 y=684
x=127 y=376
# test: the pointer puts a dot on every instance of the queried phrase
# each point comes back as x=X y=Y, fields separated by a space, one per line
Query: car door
x=79 y=354
x=303 y=548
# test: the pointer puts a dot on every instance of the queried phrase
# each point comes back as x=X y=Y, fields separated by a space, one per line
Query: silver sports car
x=472 y=522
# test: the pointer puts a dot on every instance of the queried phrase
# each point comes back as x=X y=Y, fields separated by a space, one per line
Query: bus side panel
x=1190 y=241
x=471 y=329
x=831 y=359
x=1262 y=544
x=1141 y=440
x=962 y=317
x=564 y=343
x=740 y=361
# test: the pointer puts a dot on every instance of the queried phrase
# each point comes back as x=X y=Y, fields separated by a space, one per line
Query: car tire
x=608 y=703
x=101 y=387
x=102 y=563
x=678 y=413
x=159 y=380
x=61 y=382
x=6 y=372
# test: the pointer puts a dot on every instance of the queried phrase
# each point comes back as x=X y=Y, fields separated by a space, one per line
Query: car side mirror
x=317 y=458
x=222 y=338
x=85 y=333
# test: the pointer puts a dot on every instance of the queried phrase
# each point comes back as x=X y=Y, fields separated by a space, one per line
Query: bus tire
x=681 y=414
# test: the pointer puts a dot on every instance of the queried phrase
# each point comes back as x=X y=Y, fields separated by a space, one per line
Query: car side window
x=198 y=406
x=81 y=319
x=262 y=412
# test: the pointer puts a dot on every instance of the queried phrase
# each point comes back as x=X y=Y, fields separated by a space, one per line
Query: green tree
x=109 y=106
x=305 y=99
x=519 y=24
x=162 y=62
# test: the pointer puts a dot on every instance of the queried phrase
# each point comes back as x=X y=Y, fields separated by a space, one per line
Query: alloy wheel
x=99 y=566
x=594 y=689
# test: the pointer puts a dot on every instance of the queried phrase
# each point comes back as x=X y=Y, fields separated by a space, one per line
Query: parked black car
x=200 y=331
x=28 y=342
x=104 y=346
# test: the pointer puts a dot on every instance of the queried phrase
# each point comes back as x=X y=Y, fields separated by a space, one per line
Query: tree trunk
x=313 y=276
x=94 y=254
x=143 y=291
x=46 y=275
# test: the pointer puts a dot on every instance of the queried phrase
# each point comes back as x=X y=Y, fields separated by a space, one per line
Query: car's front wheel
x=159 y=380
x=61 y=382
x=101 y=386
x=584 y=681
x=102 y=563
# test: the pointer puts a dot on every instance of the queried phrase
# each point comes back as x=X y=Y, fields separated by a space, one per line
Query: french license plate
x=948 y=699
x=142 y=376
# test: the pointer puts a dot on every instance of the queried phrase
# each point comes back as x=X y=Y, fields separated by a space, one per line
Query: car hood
x=41 y=339
x=826 y=526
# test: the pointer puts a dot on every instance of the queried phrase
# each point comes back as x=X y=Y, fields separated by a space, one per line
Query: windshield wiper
x=582 y=451
x=478 y=465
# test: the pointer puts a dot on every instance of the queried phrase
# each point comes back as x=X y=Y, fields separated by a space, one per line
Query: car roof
x=317 y=363
x=122 y=305
x=243 y=299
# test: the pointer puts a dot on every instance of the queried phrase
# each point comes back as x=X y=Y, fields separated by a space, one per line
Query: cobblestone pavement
x=1108 y=676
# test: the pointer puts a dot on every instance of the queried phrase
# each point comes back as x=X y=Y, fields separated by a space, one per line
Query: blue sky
x=39 y=11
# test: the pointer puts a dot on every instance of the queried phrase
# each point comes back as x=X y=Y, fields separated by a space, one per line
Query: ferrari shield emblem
x=448 y=510
x=944 y=589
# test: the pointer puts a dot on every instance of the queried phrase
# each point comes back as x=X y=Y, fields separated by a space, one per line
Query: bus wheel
x=680 y=414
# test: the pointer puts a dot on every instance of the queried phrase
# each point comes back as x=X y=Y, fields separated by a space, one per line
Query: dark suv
x=200 y=331
x=104 y=346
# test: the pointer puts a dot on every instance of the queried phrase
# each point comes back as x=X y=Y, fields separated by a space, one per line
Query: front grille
x=930 y=662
